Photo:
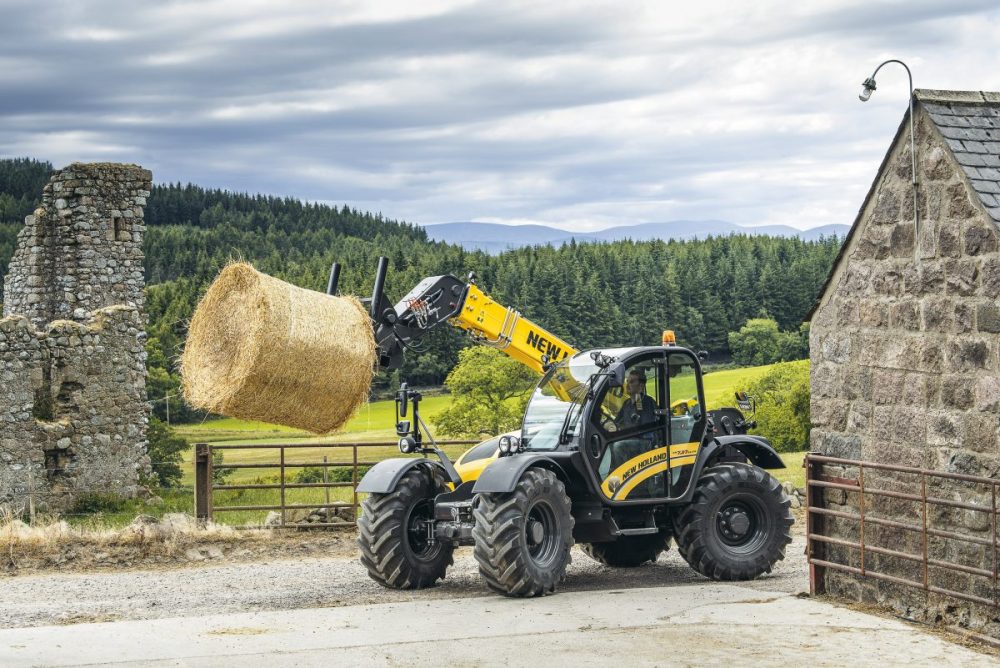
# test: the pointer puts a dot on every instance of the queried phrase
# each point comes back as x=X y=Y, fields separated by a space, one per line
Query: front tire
x=392 y=537
x=523 y=538
x=737 y=525
x=629 y=551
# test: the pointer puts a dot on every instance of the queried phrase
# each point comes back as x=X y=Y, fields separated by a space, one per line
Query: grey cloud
x=426 y=133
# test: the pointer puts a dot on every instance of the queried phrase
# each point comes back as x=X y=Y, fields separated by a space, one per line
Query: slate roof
x=969 y=121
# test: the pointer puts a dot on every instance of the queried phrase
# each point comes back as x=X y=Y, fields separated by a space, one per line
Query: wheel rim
x=742 y=524
x=416 y=531
x=541 y=533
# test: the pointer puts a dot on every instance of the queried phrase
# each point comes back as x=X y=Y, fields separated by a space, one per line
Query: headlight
x=509 y=445
x=407 y=445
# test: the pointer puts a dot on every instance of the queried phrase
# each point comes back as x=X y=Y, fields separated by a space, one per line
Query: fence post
x=923 y=515
x=814 y=527
x=354 y=483
x=861 y=510
x=203 y=481
x=326 y=490
x=283 y=514
x=993 y=495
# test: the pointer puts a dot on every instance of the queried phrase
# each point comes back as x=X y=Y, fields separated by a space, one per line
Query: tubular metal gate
x=868 y=494
x=205 y=486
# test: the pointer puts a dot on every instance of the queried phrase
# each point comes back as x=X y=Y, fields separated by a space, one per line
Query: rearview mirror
x=401 y=399
x=617 y=373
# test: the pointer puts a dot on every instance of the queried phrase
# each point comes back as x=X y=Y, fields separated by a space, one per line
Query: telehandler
x=616 y=451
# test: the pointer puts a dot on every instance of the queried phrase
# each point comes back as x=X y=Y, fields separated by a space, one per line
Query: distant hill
x=495 y=238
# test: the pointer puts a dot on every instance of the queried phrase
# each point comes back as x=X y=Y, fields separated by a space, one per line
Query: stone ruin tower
x=73 y=411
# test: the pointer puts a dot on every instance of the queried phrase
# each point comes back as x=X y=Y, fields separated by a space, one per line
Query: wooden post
x=203 y=482
x=326 y=490
x=283 y=516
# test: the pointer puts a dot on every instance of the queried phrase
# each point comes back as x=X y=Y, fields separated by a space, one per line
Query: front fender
x=384 y=476
x=502 y=476
x=755 y=448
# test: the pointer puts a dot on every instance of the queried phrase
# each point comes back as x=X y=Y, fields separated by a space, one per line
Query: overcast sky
x=581 y=115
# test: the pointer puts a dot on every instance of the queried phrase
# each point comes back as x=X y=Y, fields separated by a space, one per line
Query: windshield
x=563 y=388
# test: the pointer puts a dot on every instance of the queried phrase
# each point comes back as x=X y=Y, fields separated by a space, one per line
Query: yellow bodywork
x=472 y=470
x=493 y=324
x=629 y=475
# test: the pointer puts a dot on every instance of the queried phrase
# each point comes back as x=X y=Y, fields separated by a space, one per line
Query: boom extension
x=438 y=299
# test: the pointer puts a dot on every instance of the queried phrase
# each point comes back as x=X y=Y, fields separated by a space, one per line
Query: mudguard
x=756 y=448
x=384 y=476
x=502 y=476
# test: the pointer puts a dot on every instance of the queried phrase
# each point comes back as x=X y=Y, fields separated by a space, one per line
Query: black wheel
x=737 y=525
x=392 y=534
x=629 y=551
x=523 y=538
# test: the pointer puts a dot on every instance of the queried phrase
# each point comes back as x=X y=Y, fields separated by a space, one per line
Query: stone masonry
x=905 y=357
x=73 y=411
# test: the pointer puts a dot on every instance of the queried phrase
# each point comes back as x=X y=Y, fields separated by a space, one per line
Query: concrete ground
x=310 y=611
x=702 y=624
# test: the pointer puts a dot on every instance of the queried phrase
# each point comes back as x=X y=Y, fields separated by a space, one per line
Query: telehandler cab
x=616 y=451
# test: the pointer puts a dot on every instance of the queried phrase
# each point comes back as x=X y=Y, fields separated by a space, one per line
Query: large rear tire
x=737 y=525
x=523 y=538
x=629 y=551
x=392 y=534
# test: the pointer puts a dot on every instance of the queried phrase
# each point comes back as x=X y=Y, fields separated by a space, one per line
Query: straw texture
x=261 y=349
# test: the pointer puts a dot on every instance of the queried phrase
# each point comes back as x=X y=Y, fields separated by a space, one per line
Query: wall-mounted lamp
x=867 y=88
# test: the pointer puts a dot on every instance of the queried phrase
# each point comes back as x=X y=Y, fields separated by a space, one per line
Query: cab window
x=685 y=407
x=632 y=408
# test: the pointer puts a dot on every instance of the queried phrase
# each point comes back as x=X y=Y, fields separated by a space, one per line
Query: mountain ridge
x=495 y=237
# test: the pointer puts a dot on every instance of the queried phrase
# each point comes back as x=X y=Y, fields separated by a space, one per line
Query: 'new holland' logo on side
x=543 y=345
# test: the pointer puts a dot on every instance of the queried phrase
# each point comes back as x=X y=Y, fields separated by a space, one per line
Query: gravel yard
x=303 y=581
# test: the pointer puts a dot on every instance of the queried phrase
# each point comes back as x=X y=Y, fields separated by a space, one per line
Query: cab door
x=688 y=418
x=630 y=432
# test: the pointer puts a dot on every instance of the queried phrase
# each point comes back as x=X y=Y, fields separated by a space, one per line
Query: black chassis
x=724 y=438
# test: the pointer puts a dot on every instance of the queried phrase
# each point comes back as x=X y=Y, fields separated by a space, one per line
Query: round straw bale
x=261 y=349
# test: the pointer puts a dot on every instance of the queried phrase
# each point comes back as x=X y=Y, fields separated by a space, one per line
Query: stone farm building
x=905 y=355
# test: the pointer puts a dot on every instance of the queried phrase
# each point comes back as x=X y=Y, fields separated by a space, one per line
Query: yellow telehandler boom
x=439 y=299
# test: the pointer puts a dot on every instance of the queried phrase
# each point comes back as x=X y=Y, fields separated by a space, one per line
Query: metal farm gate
x=910 y=506
x=282 y=491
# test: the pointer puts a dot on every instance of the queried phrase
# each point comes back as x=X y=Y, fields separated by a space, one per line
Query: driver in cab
x=639 y=409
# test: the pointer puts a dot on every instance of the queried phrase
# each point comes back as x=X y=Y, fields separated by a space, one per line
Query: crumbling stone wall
x=905 y=357
x=82 y=248
x=73 y=411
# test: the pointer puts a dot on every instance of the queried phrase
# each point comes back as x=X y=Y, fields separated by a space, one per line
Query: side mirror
x=703 y=355
x=617 y=373
x=401 y=399
x=746 y=403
